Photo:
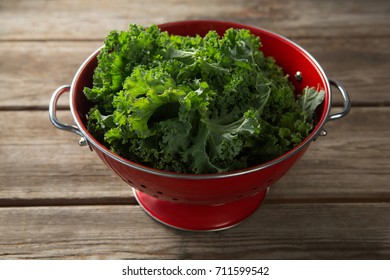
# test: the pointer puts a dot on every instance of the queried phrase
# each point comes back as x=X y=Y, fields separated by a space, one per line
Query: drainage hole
x=159 y=192
x=143 y=186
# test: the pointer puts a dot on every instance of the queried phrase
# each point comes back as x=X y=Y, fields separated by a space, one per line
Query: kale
x=195 y=104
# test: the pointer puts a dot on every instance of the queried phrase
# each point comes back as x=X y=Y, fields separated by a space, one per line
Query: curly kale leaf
x=310 y=99
x=195 y=104
x=123 y=51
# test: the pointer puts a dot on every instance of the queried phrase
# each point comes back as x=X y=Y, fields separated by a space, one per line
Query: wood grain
x=42 y=163
x=39 y=162
x=31 y=71
x=294 y=231
x=59 y=201
x=80 y=20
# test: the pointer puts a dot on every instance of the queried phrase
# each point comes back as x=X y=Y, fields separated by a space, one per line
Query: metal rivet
x=323 y=132
x=83 y=142
x=298 y=76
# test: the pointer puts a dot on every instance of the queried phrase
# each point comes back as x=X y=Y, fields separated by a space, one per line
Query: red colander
x=208 y=201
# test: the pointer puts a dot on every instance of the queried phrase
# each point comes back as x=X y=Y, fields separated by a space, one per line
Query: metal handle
x=347 y=102
x=53 y=112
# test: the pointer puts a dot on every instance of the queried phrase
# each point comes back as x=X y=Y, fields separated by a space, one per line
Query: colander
x=206 y=201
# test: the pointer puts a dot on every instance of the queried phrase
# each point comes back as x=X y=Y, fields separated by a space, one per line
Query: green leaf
x=310 y=99
x=195 y=104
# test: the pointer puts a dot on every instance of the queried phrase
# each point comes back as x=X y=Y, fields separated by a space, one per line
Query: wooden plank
x=361 y=65
x=31 y=71
x=86 y=20
x=41 y=163
x=294 y=231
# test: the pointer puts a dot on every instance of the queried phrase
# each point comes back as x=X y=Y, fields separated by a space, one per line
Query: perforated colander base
x=199 y=217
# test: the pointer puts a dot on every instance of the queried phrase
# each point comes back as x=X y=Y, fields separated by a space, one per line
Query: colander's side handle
x=53 y=114
x=346 y=100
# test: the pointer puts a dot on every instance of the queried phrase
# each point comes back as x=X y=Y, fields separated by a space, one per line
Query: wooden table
x=58 y=200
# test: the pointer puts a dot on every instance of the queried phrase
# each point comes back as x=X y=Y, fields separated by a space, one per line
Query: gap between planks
x=131 y=201
x=47 y=202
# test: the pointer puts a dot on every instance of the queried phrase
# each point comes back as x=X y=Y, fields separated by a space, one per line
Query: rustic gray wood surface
x=58 y=200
